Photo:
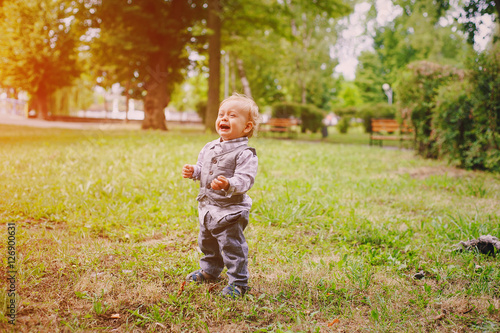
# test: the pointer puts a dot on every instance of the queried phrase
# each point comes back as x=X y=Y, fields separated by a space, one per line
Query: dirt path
x=22 y=121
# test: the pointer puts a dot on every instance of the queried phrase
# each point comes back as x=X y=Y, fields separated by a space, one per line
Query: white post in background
x=388 y=91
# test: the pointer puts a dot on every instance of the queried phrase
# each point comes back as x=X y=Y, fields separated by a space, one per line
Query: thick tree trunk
x=157 y=98
x=243 y=77
x=41 y=104
x=214 y=24
x=154 y=105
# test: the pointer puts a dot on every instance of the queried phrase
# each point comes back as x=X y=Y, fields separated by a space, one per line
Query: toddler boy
x=226 y=169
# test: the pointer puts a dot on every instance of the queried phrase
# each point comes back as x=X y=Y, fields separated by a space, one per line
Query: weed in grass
x=359 y=273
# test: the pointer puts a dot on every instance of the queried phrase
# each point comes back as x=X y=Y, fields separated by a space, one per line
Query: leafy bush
x=346 y=114
x=286 y=110
x=417 y=89
x=451 y=121
x=467 y=116
x=485 y=77
x=343 y=124
x=349 y=111
x=310 y=116
x=380 y=110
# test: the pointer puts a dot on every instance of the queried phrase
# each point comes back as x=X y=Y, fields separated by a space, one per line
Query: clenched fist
x=187 y=171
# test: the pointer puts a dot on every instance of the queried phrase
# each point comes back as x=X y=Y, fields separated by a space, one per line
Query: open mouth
x=224 y=127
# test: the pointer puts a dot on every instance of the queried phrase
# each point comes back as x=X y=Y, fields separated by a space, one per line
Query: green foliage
x=471 y=17
x=310 y=116
x=485 y=78
x=452 y=121
x=380 y=110
x=39 y=43
x=68 y=100
x=366 y=112
x=467 y=116
x=350 y=111
x=201 y=108
x=287 y=110
x=344 y=124
x=414 y=35
x=299 y=33
x=370 y=78
x=349 y=95
x=145 y=46
x=346 y=114
x=417 y=88
x=192 y=91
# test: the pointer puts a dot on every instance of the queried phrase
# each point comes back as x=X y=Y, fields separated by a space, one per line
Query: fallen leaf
x=115 y=316
x=336 y=320
x=181 y=289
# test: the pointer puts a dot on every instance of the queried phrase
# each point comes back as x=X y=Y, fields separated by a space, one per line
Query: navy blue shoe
x=234 y=291
x=199 y=277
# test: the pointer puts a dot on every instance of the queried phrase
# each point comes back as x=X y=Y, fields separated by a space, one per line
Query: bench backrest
x=282 y=122
x=389 y=126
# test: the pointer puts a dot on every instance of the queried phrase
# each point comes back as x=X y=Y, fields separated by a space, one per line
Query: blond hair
x=246 y=104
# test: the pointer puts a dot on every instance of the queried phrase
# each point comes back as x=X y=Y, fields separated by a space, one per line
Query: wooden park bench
x=389 y=129
x=287 y=126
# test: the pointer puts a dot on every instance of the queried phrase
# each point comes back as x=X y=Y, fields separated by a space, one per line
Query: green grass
x=107 y=226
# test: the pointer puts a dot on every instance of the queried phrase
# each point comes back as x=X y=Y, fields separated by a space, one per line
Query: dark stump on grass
x=484 y=244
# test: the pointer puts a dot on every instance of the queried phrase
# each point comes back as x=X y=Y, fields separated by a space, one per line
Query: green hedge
x=417 y=89
x=287 y=110
x=456 y=113
x=310 y=116
x=466 y=119
x=381 y=110
x=366 y=113
x=345 y=114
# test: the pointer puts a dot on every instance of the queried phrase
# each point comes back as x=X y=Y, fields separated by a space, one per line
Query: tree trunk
x=243 y=77
x=41 y=103
x=157 y=98
x=214 y=24
x=154 y=105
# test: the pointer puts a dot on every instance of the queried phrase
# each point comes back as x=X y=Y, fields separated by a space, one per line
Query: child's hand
x=220 y=183
x=187 y=171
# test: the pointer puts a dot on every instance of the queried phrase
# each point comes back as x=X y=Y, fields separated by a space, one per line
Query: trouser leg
x=212 y=261
x=234 y=248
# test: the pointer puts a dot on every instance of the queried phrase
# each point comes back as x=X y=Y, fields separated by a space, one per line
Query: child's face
x=232 y=122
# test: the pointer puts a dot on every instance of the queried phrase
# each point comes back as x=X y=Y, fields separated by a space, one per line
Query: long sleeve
x=244 y=173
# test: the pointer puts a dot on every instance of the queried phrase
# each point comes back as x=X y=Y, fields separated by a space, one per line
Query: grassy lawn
x=106 y=231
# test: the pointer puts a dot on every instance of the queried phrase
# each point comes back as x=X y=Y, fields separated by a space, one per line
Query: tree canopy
x=39 y=47
x=414 y=35
x=146 y=43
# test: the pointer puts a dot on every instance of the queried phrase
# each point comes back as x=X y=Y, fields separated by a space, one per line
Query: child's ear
x=249 y=127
